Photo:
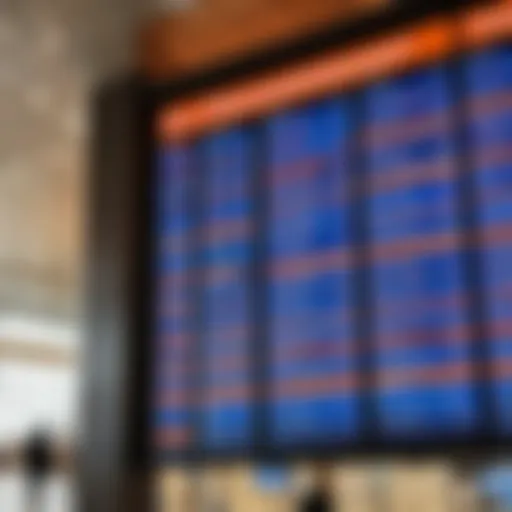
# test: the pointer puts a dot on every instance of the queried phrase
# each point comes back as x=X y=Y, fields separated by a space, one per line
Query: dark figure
x=38 y=463
x=318 y=500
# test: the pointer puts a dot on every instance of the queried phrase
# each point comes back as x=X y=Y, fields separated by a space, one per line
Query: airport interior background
x=54 y=56
x=53 y=53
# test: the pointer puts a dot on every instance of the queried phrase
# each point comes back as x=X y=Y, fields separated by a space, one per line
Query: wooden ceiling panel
x=222 y=30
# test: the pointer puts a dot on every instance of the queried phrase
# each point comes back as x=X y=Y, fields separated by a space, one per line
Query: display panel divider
x=362 y=282
x=260 y=310
x=195 y=206
x=472 y=263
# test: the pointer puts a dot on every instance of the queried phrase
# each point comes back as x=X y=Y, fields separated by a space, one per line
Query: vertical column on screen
x=489 y=83
x=311 y=346
x=421 y=335
x=173 y=415
x=226 y=235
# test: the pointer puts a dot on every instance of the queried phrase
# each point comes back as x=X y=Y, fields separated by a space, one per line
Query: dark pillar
x=114 y=457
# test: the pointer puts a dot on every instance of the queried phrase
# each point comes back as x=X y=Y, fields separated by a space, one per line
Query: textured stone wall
x=52 y=52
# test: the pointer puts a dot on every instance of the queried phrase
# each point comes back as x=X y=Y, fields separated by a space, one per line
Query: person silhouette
x=319 y=498
x=37 y=464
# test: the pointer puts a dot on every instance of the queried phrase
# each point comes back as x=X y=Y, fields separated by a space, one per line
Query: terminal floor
x=56 y=497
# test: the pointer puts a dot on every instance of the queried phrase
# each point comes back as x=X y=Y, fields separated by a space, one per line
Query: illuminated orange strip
x=335 y=71
x=407 y=248
x=500 y=329
x=412 y=175
x=400 y=131
x=393 y=307
x=175 y=279
x=226 y=230
x=174 y=398
x=175 y=340
x=453 y=335
x=222 y=274
x=174 y=437
x=302 y=388
x=442 y=375
x=299 y=169
x=484 y=25
x=332 y=260
x=403 y=248
x=224 y=335
x=225 y=395
x=174 y=309
x=492 y=104
x=311 y=351
x=430 y=375
x=234 y=362
x=492 y=156
x=496 y=235
x=332 y=72
x=502 y=369
x=390 y=378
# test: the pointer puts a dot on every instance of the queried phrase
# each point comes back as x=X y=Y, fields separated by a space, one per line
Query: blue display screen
x=312 y=368
x=226 y=230
x=313 y=268
x=173 y=416
x=421 y=335
x=489 y=78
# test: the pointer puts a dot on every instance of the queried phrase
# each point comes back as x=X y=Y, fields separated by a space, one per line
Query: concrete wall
x=52 y=53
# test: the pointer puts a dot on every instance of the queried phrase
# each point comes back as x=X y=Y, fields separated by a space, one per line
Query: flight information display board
x=174 y=352
x=339 y=272
x=489 y=79
x=312 y=368
x=226 y=227
x=421 y=332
